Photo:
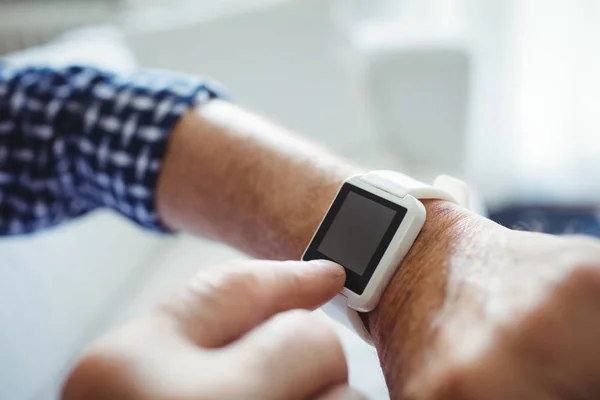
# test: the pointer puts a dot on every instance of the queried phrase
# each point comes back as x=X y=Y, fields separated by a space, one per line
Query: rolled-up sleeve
x=75 y=139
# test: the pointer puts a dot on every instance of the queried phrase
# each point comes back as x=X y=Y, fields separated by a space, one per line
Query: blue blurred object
x=550 y=219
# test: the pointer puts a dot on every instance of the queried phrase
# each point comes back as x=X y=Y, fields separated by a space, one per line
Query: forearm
x=235 y=177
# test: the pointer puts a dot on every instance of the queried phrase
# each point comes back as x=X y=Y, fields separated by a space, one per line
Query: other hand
x=217 y=338
x=478 y=311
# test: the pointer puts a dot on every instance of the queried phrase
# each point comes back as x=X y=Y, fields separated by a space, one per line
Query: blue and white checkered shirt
x=75 y=139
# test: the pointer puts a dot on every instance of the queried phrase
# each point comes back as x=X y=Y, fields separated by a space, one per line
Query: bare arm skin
x=235 y=177
x=476 y=311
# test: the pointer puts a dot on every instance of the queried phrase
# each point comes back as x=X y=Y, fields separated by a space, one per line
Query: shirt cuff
x=126 y=130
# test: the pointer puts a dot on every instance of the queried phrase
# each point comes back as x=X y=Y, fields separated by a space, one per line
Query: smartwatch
x=368 y=229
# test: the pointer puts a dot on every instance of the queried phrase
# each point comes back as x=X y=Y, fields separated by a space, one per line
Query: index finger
x=220 y=304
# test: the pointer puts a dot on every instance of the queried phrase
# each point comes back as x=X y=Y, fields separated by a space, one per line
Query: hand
x=488 y=313
x=211 y=341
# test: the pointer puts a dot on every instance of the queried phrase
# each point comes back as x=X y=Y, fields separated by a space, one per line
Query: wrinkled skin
x=492 y=314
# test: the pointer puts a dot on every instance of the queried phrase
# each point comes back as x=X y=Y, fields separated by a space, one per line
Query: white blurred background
x=505 y=94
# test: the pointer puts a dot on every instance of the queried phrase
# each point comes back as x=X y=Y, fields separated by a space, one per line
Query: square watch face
x=355 y=233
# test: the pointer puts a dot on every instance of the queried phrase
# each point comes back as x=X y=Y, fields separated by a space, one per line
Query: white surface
x=558 y=104
x=56 y=290
x=31 y=23
x=102 y=46
x=535 y=101
x=287 y=61
x=420 y=94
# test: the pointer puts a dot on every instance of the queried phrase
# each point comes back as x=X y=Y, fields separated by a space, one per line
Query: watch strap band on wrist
x=444 y=188
x=338 y=309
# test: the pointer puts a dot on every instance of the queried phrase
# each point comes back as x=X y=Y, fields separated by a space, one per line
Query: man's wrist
x=400 y=324
x=428 y=256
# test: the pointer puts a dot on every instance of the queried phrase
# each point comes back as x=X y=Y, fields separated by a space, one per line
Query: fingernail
x=335 y=270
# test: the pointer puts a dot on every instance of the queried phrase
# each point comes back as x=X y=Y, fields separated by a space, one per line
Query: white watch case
x=397 y=249
x=404 y=191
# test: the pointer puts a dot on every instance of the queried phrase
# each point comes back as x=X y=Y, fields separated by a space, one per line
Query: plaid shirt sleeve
x=75 y=139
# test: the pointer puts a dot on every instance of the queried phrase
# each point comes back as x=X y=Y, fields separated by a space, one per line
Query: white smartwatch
x=368 y=229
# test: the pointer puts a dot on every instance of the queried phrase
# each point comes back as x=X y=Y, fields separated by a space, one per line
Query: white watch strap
x=338 y=309
x=444 y=187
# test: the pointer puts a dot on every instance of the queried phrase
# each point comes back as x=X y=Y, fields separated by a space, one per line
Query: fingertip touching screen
x=355 y=233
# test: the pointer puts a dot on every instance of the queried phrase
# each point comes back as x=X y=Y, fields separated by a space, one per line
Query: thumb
x=222 y=303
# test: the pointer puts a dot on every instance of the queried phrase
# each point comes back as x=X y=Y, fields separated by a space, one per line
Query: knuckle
x=253 y=279
x=207 y=290
x=222 y=282
x=247 y=282
x=250 y=276
x=452 y=386
x=584 y=278
x=545 y=334
x=291 y=280
x=95 y=366
x=451 y=383
x=539 y=338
